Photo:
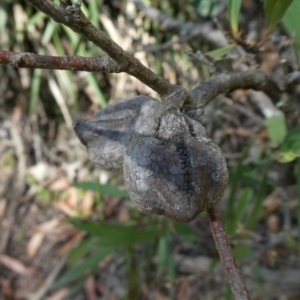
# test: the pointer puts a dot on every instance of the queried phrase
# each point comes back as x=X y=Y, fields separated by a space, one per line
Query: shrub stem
x=235 y=278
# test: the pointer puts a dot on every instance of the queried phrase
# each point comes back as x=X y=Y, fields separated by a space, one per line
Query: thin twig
x=234 y=276
x=29 y=60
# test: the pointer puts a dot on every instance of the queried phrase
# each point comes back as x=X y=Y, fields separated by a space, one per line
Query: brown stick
x=234 y=276
x=29 y=60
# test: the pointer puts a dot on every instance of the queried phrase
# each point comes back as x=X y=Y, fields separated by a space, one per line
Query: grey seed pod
x=170 y=167
x=107 y=134
x=175 y=171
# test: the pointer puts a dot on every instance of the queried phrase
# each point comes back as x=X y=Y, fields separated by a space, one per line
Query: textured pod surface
x=106 y=135
x=171 y=168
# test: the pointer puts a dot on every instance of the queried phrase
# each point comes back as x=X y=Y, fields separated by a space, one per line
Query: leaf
x=291 y=21
x=234 y=7
x=206 y=8
x=120 y=236
x=105 y=189
x=92 y=81
x=82 y=269
x=220 y=52
x=80 y=251
x=111 y=190
x=276 y=128
x=162 y=254
x=243 y=204
x=230 y=213
x=275 y=10
x=187 y=233
x=260 y=195
x=242 y=251
x=290 y=147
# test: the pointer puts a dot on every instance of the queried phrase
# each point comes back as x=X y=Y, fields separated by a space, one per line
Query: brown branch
x=103 y=64
x=234 y=276
x=72 y=17
x=226 y=83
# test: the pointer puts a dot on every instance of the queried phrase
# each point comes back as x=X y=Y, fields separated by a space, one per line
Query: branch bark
x=226 y=83
x=103 y=64
x=234 y=276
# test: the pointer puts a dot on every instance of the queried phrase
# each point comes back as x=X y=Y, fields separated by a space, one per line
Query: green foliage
x=218 y=53
x=276 y=128
x=291 y=21
x=83 y=269
x=60 y=36
x=34 y=92
x=104 y=189
x=105 y=239
x=234 y=7
x=275 y=10
x=290 y=147
x=230 y=213
x=119 y=236
x=245 y=207
x=206 y=8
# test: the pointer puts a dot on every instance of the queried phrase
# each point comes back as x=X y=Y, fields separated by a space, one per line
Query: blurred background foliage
x=110 y=249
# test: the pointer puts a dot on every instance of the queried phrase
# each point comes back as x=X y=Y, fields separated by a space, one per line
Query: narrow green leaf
x=82 y=269
x=80 y=251
x=234 y=7
x=34 y=91
x=94 y=12
x=37 y=17
x=275 y=10
x=120 y=236
x=88 y=186
x=258 y=198
x=185 y=230
x=290 y=147
x=277 y=128
x=74 y=37
x=291 y=21
x=105 y=189
x=3 y=18
x=220 y=52
x=242 y=251
x=93 y=83
x=243 y=204
x=230 y=219
x=162 y=254
x=48 y=32
x=111 y=190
